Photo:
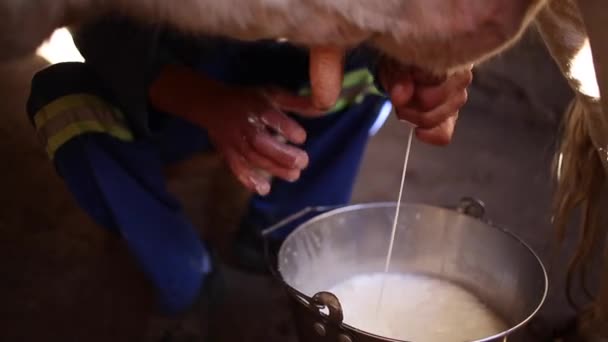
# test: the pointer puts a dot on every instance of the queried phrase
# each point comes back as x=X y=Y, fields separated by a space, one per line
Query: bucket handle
x=473 y=207
x=326 y=299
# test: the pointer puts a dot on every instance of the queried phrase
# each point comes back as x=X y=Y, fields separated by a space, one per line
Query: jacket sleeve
x=126 y=57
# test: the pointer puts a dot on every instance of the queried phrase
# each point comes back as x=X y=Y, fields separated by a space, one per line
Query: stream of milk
x=389 y=254
x=415 y=308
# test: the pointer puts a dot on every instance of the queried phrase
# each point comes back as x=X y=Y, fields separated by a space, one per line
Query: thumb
x=326 y=74
x=440 y=135
x=401 y=92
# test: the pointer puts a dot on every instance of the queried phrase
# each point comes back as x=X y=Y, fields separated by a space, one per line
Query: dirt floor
x=63 y=279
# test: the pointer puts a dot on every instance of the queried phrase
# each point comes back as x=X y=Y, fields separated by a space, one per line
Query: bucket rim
x=370 y=205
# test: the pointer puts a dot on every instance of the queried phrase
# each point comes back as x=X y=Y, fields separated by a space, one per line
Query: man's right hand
x=242 y=123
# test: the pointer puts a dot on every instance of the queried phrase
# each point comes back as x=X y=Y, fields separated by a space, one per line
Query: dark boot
x=198 y=324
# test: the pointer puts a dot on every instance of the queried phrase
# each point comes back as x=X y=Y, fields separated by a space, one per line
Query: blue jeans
x=121 y=186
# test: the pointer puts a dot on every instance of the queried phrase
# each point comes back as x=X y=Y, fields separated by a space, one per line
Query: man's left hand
x=428 y=102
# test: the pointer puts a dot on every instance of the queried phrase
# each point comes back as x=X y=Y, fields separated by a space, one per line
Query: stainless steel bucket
x=450 y=244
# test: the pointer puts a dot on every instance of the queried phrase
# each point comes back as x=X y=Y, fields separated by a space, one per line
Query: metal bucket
x=455 y=245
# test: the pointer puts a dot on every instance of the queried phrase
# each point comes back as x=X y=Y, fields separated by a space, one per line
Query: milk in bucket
x=415 y=308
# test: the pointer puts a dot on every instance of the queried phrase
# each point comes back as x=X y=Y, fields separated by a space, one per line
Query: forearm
x=181 y=91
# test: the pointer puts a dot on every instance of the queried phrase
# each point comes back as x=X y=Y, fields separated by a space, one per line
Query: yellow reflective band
x=357 y=77
x=373 y=90
x=359 y=98
x=69 y=102
x=77 y=128
x=73 y=115
x=341 y=104
x=305 y=92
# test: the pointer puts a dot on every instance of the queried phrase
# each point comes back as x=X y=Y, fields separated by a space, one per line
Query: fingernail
x=259 y=183
x=398 y=91
x=262 y=188
x=293 y=175
x=299 y=136
x=399 y=95
x=301 y=161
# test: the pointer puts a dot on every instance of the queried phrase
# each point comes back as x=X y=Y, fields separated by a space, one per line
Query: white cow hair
x=412 y=31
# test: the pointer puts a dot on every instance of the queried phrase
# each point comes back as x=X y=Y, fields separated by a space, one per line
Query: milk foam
x=415 y=308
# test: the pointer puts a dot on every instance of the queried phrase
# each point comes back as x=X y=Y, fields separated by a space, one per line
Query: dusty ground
x=64 y=280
